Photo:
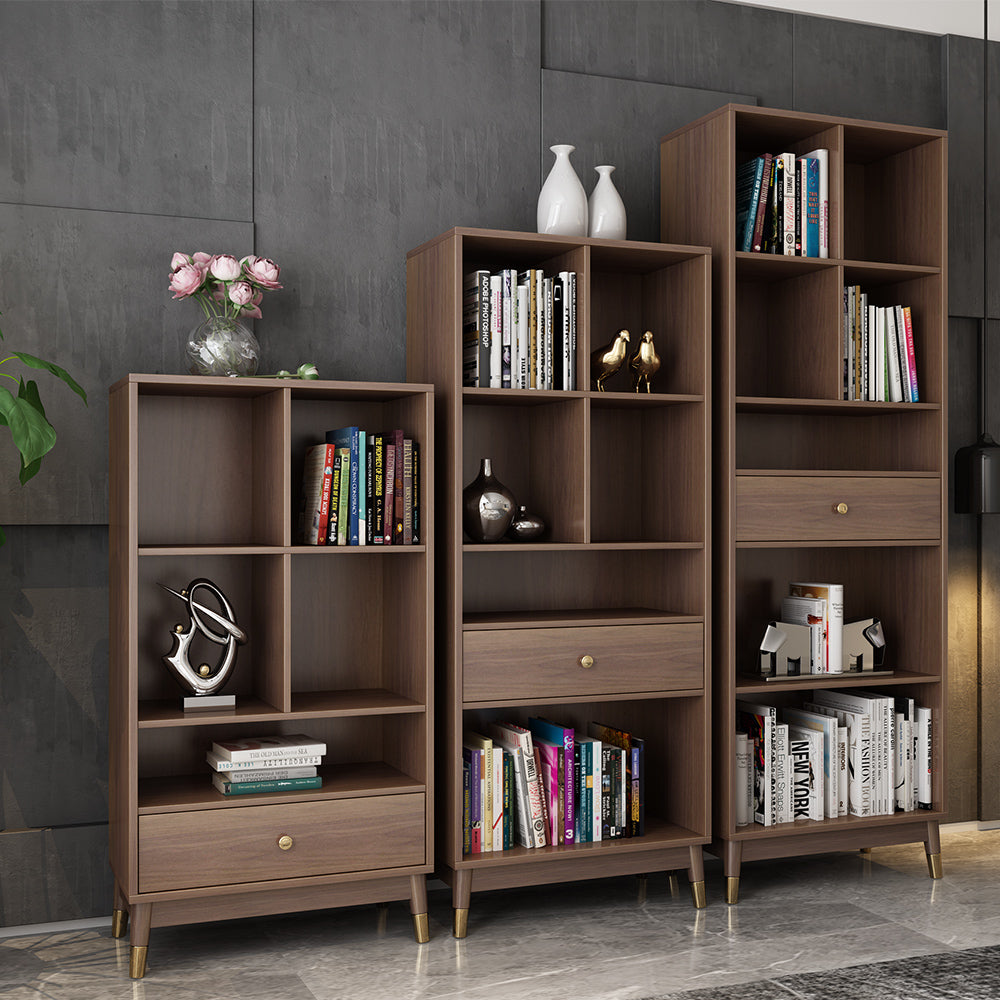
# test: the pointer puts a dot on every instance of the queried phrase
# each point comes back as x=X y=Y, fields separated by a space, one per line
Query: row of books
x=361 y=488
x=548 y=784
x=783 y=204
x=879 y=360
x=519 y=330
x=840 y=754
x=266 y=764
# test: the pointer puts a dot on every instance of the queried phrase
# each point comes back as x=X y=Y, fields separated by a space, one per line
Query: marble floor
x=616 y=939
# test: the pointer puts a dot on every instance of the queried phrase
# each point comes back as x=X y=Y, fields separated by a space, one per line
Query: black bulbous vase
x=488 y=507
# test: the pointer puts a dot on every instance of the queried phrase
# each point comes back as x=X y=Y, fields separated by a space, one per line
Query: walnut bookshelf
x=622 y=575
x=205 y=475
x=789 y=452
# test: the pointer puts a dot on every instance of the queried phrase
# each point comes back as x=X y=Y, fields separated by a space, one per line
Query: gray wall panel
x=52 y=875
x=993 y=176
x=138 y=107
x=54 y=637
x=963 y=68
x=102 y=310
x=356 y=166
x=686 y=43
x=621 y=122
x=864 y=71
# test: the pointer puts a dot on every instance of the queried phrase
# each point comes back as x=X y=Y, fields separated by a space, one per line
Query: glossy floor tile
x=615 y=939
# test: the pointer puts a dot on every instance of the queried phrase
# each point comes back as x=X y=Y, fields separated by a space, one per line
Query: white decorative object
x=607 y=210
x=562 y=202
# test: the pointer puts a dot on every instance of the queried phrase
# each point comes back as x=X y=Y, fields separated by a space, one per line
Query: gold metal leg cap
x=421 y=928
x=732 y=889
x=137 y=961
x=461 y=921
x=119 y=923
x=698 y=895
x=934 y=865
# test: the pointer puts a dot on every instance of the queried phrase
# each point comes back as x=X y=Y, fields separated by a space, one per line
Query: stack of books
x=880 y=363
x=361 y=488
x=783 y=204
x=519 y=330
x=841 y=754
x=266 y=764
x=548 y=784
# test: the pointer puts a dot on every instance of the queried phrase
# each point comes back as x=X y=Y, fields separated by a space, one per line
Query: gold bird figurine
x=645 y=361
x=608 y=359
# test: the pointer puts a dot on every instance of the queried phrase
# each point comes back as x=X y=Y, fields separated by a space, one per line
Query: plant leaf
x=33 y=434
x=32 y=362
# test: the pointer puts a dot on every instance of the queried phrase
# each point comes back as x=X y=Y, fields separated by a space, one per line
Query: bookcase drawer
x=828 y=508
x=183 y=850
x=506 y=664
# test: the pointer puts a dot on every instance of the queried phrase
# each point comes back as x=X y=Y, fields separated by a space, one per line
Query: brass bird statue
x=608 y=359
x=645 y=361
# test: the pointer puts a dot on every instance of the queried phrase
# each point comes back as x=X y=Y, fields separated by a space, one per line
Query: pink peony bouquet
x=221 y=284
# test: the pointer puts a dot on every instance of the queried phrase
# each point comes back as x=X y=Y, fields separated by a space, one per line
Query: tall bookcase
x=606 y=617
x=809 y=486
x=205 y=481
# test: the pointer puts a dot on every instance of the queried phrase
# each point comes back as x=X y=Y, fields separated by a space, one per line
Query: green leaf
x=33 y=435
x=32 y=362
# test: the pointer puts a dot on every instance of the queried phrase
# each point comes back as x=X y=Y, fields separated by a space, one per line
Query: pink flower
x=185 y=281
x=178 y=260
x=225 y=267
x=201 y=258
x=240 y=292
x=261 y=271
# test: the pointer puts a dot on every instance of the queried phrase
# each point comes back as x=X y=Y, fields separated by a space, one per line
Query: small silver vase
x=487 y=506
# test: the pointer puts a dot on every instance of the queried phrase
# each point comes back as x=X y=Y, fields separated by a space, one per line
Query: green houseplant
x=24 y=414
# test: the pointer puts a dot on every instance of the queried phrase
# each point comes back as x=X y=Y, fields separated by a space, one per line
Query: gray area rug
x=973 y=974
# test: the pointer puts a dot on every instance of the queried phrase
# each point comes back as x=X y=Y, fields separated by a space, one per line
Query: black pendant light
x=977 y=466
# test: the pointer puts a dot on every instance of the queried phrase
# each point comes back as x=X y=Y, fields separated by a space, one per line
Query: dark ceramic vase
x=487 y=506
x=525 y=527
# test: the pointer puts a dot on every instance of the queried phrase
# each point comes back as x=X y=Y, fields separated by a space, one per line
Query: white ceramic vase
x=562 y=202
x=607 y=210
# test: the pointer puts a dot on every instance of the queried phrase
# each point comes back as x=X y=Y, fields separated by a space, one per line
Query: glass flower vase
x=222 y=345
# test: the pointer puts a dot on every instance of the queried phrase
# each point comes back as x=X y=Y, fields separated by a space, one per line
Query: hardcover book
x=265 y=747
x=228 y=786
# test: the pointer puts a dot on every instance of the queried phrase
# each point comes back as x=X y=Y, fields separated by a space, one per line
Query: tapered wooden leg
x=139 y=939
x=731 y=861
x=119 y=915
x=418 y=908
x=461 y=894
x=696 y=876
x=932 y=845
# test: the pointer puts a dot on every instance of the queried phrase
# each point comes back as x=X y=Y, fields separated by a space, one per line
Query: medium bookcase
x=205 y=479
x=809 y=486
x=622 y=574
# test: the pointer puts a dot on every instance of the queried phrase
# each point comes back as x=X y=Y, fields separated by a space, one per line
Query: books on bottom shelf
x=266 y=764
x=842 y=753
x=522 y=787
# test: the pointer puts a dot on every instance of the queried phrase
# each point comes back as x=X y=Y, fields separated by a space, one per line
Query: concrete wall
x=333 y=137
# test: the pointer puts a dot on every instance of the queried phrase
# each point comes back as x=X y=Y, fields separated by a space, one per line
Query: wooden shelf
x=788 y=447
x=621 y=480
x=340 y=647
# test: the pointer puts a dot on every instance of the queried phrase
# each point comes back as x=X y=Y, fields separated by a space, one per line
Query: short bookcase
x=205 y=481
x=809 y=486
x=622 y=575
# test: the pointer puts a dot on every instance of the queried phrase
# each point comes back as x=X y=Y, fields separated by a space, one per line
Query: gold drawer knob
x=285 y=842
x=586 y=662
x=841 y=508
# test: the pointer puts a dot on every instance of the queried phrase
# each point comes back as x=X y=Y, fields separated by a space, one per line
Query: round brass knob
x=841 y=508
x=285 y=842
x=586 y=662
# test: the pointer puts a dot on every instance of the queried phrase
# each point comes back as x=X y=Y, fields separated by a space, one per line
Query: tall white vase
x=562 y=202
x=607 y=210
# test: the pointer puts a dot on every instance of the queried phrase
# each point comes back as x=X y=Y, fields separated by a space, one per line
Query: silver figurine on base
x=204 y=681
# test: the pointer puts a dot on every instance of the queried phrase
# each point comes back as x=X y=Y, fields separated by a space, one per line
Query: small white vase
x=607 y=210
x=562 y=202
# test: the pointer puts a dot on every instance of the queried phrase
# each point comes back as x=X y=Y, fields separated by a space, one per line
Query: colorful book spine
x=397 y=488
x=550 y=757
x=562 y=736
x=227 y=786
x=472 y=757
x=390 y=487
